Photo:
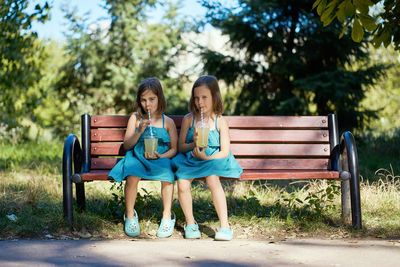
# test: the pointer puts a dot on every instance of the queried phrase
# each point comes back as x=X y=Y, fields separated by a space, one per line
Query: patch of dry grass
x=380 y=202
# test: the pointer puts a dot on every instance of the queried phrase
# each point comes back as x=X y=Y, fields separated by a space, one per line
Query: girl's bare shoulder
x=134 y=117
x=169 y=121
x=221 y=118
x=222 y=122
x=188 y=117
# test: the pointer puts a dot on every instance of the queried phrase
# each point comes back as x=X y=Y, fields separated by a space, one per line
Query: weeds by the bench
x=316 y=201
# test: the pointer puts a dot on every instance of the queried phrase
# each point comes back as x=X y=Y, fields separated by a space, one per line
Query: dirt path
x=204 y=252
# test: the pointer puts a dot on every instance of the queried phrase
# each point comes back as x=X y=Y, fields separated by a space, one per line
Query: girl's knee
x=213 y=181
x=166 y=184
x=132 y=180
x=184 y=186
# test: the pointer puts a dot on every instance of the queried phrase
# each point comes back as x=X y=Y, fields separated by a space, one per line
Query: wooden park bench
x=267 y=147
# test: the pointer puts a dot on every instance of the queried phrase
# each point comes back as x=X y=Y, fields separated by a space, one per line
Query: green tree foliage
x=284 y=62
x=21 y=62
x=384 y=96
x=54 y=107
x=379 y=17
x=106 y=64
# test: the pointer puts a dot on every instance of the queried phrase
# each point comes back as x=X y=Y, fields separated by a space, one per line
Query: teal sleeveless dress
x=188 y=167
x=134 y=163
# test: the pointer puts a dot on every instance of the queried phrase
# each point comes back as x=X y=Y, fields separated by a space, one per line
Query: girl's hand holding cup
x=148 y=156
x=199 y=154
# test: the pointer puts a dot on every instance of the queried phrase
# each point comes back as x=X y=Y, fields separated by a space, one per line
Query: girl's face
x=203 y=99
x=149 y=101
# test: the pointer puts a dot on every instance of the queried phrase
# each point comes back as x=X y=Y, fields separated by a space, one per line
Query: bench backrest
x=258 y=142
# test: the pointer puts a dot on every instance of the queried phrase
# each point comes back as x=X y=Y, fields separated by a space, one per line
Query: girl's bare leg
x=185 y=199
x=219 y=199
x=167 y=192
x=131 y=187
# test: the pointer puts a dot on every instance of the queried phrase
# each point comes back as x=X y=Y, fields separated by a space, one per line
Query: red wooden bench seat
x=247 y=174
x=267 y=147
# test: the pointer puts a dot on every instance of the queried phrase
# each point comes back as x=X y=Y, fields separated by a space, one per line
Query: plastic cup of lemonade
x=202 y=130
x=150 y=144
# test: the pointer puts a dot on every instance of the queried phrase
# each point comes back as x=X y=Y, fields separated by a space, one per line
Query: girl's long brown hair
x=154 y=85
x=212 y=84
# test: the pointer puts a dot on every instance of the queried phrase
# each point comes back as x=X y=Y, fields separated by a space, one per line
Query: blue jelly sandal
x=224 y=234
x=132 y=225
x=166 y=227
x=192 y=231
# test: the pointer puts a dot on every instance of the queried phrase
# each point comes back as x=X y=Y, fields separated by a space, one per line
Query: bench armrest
x=72 y=163
x=72 y=157
x=348 y=168
x=348 y=154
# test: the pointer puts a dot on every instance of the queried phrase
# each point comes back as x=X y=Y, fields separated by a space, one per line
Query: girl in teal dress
x=211 y=162
x=138 y=164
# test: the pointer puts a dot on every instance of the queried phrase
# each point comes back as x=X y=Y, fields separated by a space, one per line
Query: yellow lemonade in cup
x=202 y=130
x=150 y=145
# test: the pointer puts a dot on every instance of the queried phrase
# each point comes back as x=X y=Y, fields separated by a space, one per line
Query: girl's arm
x=131 y=136
x=184 y=147
x=173 y=136
x=224 y=142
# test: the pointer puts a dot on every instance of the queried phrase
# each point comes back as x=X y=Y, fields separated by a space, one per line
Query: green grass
x=31 y=155
x=31 y=189
x=376 y=152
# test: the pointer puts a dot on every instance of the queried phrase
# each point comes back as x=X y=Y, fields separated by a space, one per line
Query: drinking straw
x=201 y=112
x=151 y=130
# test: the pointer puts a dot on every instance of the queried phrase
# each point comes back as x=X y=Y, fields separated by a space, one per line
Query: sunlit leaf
x=362 y=7
x=341 y=13
x=368 y=22
x=327 y=13
x=349 y=9
x=357 y=32
x=321 y=7
x=316 y=3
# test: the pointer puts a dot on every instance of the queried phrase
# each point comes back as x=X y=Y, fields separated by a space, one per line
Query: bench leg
x=80 y=196
x=346 y=205
x=67 y=197
x=355 y=197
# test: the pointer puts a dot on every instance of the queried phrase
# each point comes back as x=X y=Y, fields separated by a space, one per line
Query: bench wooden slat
x=280 y=164
x=285 y=174
x=109 y=121
x=107 y=135
x=107 y=149
x=249 y=164
x=275 y=136
x=251 y=122
x=103 y=163
x=286 y=150
x=278 y=122
x=95 y=175
x=120 y=121
x=247 y=174
x=236 y=135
